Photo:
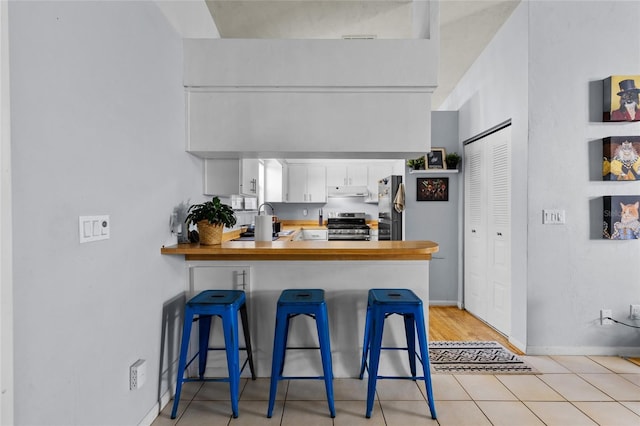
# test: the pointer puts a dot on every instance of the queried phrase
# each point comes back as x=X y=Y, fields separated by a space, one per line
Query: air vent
x=359 y=37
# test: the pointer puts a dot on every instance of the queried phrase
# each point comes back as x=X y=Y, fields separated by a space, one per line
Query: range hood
x=347 y=191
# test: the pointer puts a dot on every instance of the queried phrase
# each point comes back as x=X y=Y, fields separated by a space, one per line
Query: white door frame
x=6 y=274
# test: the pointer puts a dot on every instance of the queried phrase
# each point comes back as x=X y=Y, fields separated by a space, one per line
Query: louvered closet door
x=475 y=223
x=498 y=147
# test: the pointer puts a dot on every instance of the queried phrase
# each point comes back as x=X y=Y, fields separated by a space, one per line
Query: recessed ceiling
x=466 y=26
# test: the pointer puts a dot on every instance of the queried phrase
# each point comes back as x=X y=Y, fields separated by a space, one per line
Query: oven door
x=348 y=237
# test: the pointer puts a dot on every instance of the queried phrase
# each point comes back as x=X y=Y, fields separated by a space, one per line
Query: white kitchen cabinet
x=315 y=234
x=346 y=175
x=224 y=177
x=306 y=183
x=376 y=172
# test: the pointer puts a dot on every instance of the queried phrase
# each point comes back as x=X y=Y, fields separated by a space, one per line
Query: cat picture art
x=622 y=218
x=621 y=160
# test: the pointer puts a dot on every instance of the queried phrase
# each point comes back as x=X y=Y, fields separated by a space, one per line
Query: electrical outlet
x=605 y=314
x=137 y=374
x=634 y=312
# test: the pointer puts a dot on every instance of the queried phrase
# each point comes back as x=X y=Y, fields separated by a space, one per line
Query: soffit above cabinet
x=236 y=63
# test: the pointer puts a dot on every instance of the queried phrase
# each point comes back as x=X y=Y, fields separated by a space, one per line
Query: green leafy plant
x=452 y=160
x=214 y=212
x=416 y=163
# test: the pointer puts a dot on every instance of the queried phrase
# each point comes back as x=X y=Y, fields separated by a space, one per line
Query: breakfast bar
x=346 y=270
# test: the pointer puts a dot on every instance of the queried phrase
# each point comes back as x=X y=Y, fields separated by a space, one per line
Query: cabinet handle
x=473 y=231
x=499 y=234
x=309 y=197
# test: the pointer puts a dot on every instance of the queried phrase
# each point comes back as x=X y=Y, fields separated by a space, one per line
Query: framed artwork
x=621 y=158
x=435 y=159
x=620 y=98
x=621 y=216
x=432 y=189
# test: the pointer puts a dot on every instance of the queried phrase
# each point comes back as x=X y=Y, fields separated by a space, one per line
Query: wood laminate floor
x=451 y=323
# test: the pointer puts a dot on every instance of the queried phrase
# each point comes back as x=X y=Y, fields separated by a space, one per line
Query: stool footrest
x=207 y=379
x=301 y=377
x=402 y=377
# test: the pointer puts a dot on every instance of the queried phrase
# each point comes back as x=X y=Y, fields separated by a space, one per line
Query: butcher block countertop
x=306 y=250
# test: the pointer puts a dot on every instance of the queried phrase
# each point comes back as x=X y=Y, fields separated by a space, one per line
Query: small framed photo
x=432 y=189
x=435 y=159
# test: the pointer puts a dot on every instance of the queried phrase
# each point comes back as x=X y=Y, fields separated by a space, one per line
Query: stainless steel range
x=348 y=226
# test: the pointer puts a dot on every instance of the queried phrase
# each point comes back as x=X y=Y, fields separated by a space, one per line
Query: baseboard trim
x=630 y=351
x=518 y=344
x=443 y=303
x=156 y=409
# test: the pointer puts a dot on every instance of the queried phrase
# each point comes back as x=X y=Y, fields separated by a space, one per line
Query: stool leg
x=184 y=349
x=230 y=323
x=204 y=329
x=285 y=341
x=374 y=357
x=365 y=344
x=426 y=364
x=277 y=361
x=410 y=331
x=322 y=324
x=247 y=339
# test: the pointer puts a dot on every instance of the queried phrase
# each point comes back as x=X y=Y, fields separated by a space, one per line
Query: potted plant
x=211 y=217
x=452 y=159
x=416 y=163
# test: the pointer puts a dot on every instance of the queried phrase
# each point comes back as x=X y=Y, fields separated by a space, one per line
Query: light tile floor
x=571 y=390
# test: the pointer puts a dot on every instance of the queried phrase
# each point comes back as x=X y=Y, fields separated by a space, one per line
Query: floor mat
x=476 y=357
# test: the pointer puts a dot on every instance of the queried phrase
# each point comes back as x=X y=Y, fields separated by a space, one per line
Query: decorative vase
x=210 y=234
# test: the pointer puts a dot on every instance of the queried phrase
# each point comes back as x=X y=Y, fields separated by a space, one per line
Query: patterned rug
x=477 y=358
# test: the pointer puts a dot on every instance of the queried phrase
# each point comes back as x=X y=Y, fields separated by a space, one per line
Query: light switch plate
x=553 y=217
x=94 y=228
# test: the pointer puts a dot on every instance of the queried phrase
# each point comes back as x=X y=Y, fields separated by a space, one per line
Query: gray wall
x=97 y=117
x=562 y=274
x=438 y=220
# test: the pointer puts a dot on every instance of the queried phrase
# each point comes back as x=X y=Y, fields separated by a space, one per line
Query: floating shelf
x=433 y=171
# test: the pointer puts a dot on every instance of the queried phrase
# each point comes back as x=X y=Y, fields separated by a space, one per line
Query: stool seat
x=381 y=304
x=301 y=297
x=225 y=304
x=291 y=304
x=217 y=297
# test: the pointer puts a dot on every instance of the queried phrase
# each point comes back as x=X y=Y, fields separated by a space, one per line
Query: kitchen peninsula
x=346 y=270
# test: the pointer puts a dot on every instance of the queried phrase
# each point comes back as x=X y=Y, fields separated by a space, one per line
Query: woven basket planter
x=210 y=234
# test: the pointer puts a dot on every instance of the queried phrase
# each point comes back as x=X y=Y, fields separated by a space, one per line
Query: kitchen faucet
x=273 y=211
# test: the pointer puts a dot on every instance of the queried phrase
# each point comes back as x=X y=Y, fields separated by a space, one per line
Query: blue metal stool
x=383 y=303
x=224 y=304
x=291 y=304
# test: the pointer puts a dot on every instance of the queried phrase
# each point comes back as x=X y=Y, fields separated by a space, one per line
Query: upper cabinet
x=333 y=99
x=377 y=171
x=306 y=183
x=224 y=177
x=346 y=175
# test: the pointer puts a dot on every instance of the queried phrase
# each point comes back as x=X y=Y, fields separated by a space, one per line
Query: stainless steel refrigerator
x=389 y=218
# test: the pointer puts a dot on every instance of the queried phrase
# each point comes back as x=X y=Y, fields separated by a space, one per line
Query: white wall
x=6 y=287
x=572 y=50
x=544 y=70
x=97 y=128
x=492 y=91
